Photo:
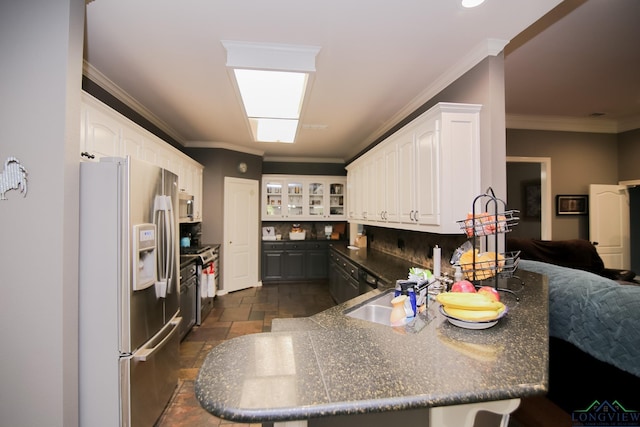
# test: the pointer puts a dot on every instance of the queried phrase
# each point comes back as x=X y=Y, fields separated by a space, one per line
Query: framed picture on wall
x=567 y=204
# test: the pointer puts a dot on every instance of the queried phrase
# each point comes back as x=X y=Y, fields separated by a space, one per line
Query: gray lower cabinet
x=343 y=278
x=318 y=260
x=294 y=261
x=272 y=264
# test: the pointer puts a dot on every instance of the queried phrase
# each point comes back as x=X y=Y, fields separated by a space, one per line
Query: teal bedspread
x=599 y=316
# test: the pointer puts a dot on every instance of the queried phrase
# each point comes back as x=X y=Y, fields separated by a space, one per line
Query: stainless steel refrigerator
x=129 y=292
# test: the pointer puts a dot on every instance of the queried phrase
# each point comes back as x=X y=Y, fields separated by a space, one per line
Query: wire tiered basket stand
x=484 y=226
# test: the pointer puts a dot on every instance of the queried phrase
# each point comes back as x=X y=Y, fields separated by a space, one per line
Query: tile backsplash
x=313 y=230
x=413 y=246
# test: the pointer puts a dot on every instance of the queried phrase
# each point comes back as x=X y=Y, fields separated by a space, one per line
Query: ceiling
x=379 y=61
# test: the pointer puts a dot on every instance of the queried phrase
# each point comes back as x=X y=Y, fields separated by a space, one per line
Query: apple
x=463 y=286
x=490 y=292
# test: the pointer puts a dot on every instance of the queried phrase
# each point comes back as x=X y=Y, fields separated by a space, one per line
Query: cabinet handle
x=87 y=155
x=411 y=215
x=415 y=216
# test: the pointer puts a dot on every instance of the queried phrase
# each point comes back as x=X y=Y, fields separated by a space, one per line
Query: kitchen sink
x=376 y=309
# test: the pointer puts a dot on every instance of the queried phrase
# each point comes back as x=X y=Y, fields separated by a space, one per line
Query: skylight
x=272 y=101
x=271 y=82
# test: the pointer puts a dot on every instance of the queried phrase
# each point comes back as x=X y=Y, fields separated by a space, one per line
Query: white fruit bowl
x=299 y=235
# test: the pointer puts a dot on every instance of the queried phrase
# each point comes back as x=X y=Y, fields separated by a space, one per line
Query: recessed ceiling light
x=472 y=3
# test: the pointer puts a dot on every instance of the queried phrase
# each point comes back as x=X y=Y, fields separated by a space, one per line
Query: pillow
x=576 y=253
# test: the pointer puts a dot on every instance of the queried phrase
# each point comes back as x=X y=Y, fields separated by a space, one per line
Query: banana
x=472 y=315
x=468 y=301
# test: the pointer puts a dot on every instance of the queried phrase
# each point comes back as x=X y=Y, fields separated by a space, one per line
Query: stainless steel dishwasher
x=188 y=286
x=367 y=281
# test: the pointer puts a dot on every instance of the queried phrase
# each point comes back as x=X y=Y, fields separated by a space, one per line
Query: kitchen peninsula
x=333 y=365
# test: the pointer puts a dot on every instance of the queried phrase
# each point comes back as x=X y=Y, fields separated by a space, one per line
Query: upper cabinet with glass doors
x=310 y=198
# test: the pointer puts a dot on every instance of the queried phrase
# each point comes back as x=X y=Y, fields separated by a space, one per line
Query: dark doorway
x=524 y=194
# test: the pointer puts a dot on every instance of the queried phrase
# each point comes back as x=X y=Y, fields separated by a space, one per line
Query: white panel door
x=609 y=224
x=241 y=233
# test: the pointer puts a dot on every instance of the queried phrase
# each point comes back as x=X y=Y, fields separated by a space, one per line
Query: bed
x=594 y=328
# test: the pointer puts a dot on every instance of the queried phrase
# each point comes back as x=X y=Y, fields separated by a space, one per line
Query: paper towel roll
x=437 y=258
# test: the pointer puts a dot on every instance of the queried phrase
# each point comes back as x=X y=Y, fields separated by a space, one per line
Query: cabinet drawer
x=272 y=246
x=318 y=245
x=295 y=246
x=345 y=265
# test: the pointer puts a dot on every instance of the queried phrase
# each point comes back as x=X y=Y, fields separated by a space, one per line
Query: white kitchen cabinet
x=107 y=133
x=100 y=134
x=373 y=186
x=388 y=200
x=426 y=175
x=190 y=182
x=132 y=142
x=419 y=168
x=354 y=193
x=369 y=190
x=404 y=142
x=197 y=192
x=283 y=198
x=327 y=198
x=303 y=198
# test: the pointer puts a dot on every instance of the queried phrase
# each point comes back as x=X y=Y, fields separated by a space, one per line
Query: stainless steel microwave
x=185 y=208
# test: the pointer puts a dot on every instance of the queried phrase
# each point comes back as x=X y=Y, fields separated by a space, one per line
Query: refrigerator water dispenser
x=144 y=256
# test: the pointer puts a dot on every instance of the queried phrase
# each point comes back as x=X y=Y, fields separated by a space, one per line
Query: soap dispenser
x=458 y=276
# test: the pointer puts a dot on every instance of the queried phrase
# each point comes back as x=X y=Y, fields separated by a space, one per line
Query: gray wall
x=219 y=163
x=577 y=160
x=40 y=80
x=483 y=84
x=629 y=155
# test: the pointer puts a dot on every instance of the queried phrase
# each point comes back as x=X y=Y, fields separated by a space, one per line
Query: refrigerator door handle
x=148 y=350
x=172 y=244
x=162 y=218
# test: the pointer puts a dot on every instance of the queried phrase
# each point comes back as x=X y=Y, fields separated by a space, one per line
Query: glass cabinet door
x=274 y=199
x=316 y=199
x=295 y=192
x=336 y=199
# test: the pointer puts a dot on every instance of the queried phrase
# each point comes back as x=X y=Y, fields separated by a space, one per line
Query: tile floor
x=238 y=313
x=251 y=311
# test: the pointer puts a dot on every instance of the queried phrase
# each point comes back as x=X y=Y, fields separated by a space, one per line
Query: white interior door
x=240 y=248
x=609 y=224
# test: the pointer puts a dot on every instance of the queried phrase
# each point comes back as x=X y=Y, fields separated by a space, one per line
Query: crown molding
x=558 y=123
x=304 y=159
x=105 y=83
x=627 y=124
x=247 y=150
x=224 y=146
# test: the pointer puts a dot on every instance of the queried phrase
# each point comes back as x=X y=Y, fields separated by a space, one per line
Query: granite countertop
x=386 y=267
x=331 y=364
